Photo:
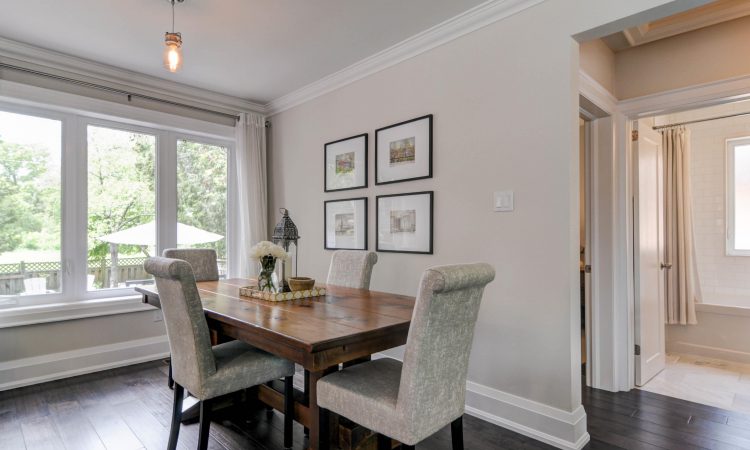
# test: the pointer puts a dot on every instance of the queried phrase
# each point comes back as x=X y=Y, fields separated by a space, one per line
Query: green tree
x=202 y=189
x=29 y=198
x=121 y=185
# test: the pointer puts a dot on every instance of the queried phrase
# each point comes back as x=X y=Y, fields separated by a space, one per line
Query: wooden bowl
x=301 y=283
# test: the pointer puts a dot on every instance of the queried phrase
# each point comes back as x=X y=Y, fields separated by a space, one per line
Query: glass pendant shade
x=173 y=52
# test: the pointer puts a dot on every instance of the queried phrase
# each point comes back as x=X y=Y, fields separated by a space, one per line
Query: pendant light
x=173 y=46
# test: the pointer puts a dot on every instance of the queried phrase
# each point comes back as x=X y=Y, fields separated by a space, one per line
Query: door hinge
x=637 y=350
x=634 y=135
x=587 y=268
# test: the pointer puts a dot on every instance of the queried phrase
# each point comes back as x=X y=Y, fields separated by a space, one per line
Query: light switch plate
x=503 y=201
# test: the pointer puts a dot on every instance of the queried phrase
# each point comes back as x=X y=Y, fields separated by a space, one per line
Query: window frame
x=729 y=166
x=74 y=300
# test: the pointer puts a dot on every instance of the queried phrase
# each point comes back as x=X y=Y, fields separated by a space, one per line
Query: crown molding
x=596 y=93
x=465 y=23
x=91 y=71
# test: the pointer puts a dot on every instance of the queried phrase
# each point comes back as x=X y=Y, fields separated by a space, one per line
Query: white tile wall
x=720 y=275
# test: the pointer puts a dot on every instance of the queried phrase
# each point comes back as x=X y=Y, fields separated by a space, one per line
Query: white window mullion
x=232 y=217
x=73 y=209
x=166 y=191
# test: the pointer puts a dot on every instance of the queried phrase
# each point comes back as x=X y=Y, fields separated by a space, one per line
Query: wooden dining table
x=319 y=333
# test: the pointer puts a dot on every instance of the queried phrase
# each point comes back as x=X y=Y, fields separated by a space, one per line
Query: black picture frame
x=326 y=146
x=429 y=118
x=325 y=223
x=430 y=250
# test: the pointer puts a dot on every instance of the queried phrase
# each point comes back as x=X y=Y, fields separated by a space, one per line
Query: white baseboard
x=553 y=426
x=54 y=366
x=708 y=351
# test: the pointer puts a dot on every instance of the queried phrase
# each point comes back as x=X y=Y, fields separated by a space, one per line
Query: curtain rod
x=728 y=116
x=112 y=90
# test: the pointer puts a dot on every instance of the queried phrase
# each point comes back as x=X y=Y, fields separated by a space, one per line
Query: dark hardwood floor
x=129 y=408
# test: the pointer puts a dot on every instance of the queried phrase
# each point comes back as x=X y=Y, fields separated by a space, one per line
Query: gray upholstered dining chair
x=205 y=266
x=411 y=401
x=208 y=372
x=204 y=261
x=351 y=268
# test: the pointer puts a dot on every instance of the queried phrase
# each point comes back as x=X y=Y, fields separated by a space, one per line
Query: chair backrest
x=189 y=341
x=433 y=379
x=351 y=268
x=203 y=261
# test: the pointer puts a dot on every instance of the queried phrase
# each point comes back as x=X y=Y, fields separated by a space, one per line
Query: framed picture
x=346 y=164
x=403 y=151
x=345 y=224
x=404 y=223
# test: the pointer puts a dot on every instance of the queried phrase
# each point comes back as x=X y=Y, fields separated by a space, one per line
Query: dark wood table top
x=343 y=315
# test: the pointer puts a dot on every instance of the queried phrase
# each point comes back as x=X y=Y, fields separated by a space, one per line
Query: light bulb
x=173 y=52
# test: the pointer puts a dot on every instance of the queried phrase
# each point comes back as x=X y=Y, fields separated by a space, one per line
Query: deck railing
x=12 y=276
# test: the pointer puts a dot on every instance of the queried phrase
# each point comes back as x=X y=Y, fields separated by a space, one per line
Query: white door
x=650 y=351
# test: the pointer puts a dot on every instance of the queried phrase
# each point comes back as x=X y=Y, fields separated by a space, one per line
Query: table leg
x=313 y=405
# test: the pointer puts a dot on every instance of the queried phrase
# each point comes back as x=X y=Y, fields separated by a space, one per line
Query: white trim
x=730 y=190
x=708 y=351
x=553 y=426
x=691 y=97
x=91 y=71
x=40 y=369
x=460 y=25
x=56 y=312
x=722 y=310
x=596 y=93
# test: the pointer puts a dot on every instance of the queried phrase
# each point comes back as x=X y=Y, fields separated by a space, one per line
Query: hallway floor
x=709 y=381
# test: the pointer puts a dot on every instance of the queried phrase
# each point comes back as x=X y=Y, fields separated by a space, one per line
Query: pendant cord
x=172 y=16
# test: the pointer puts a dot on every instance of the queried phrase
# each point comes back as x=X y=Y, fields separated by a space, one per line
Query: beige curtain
x=682 y=286
x=252 y=208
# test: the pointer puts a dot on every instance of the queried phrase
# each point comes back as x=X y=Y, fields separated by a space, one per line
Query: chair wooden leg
x=457 y=433
x=288 y=410
x=174 y=430
x=205 y=424
x=384 y=442
x=306 y=395
x=170 y=381
x=323 y=430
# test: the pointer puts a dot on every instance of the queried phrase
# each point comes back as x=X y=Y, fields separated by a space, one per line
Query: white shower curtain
x=252 y=209
x=682 y=284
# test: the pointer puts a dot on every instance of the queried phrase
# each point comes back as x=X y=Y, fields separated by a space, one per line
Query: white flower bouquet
x=267 y=253
x=266 y=248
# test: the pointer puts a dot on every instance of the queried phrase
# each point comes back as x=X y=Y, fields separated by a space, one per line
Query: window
x=85 y=200
x=202 y=171
x=30 y=195
x=121 y=207
x=738 y=197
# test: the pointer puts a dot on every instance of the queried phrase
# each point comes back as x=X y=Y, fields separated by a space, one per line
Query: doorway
x=705 y=360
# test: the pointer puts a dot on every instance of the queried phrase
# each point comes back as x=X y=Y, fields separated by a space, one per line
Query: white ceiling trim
x=595 y=92
x=467 y=22
x=87 y=70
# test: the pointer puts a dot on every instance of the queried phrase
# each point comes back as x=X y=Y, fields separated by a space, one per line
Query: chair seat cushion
x=366 y=394
x=240 y=366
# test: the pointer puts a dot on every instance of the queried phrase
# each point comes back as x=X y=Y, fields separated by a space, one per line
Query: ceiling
x=257 y=50
x=703 y=16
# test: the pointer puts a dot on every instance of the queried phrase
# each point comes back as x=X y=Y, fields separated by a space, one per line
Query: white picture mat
x=420 y=130
x=419 y=241
x=351 y=179
x=354 y=241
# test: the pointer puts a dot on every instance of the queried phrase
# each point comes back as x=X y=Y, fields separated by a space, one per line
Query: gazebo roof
x=146 y=235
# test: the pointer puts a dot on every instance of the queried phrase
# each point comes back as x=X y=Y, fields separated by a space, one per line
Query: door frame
x=693 y=97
